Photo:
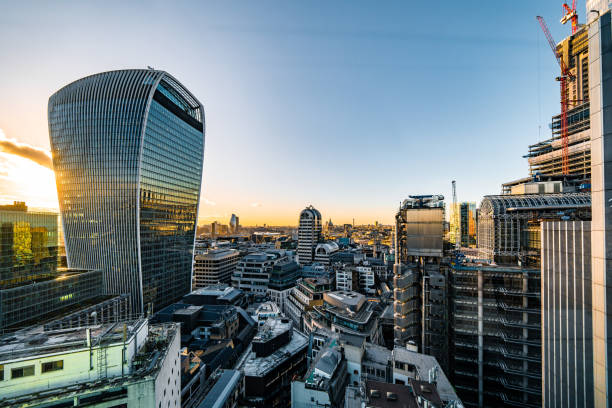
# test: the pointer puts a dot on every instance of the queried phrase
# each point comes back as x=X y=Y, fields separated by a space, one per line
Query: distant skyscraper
x=233 y=224
x=128 y=150
x=309 y=234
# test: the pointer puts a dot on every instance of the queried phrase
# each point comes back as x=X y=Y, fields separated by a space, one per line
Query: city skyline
x=318 y=70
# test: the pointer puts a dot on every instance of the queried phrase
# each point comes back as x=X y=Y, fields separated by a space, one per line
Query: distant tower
x=233 y=224
x=309 y=234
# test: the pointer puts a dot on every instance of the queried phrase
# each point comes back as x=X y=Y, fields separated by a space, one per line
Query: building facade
x=214 y=266
x=130 y=365
x=252 y=274
x=567 y=322
x=128 y=150
x=309 y=234
x=283 y=279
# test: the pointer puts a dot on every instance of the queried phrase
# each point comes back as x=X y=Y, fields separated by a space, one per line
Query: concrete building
x=345 y=312
x=219 y=294
x=567 y=322
x=283 y=279
x=252 y=274
x=309 y=235
x=214 y=266
x=325 y=382
x=344 y=278
x=307 y=293
x=131 y=364
x=324 y=251
x=128 y=162
x=278 y=353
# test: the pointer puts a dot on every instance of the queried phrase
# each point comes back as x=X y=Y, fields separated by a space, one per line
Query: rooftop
x=216 y=254
x=222 y=389
x=260 y=366
x=37 y=342
x=424 y=363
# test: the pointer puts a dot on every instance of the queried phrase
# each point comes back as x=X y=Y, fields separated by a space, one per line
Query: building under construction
x=420 y=282
x=546 y=158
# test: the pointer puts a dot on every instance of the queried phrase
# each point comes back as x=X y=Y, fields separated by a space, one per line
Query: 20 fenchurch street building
x=128 y=150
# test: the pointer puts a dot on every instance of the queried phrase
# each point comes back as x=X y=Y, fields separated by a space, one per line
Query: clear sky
x=350 y=106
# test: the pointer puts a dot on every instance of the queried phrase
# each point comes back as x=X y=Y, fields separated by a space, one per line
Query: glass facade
x=128 y=153
x=28 y=244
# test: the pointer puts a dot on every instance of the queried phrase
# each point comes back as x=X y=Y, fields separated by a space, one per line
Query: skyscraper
x=128 y=150
x=309 y=234
x=233 y=224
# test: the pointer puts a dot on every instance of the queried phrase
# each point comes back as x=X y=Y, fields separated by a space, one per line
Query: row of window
x=26 y=371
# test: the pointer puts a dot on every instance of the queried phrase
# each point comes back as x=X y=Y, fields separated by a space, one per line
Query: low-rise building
x=345 y=312
x=130 y=364
x=252 y=273
x=307 y=293
x=226 y=391
x=278 y=353
x=324 y=251
x=283 y=278
x=324 y=383
x=214 y=266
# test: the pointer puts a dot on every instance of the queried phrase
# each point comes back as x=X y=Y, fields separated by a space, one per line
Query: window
x=52 y=366
x=22 y=371
x=1 y=372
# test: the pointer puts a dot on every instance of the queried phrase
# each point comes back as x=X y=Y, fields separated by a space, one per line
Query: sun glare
x=23 y=180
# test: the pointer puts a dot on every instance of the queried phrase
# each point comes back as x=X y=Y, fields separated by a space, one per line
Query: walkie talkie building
x=128 y=150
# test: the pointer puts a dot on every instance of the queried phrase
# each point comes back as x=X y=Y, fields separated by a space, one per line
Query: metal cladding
x=128 y=150
x=502 y=219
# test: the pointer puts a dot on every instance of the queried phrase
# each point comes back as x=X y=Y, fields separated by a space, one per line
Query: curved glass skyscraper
x=128 y=150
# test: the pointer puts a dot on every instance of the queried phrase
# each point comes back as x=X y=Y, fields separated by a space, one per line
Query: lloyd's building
x=128 y=151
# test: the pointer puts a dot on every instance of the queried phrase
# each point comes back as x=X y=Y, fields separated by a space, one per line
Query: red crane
x=570 y=15
x=566 y=76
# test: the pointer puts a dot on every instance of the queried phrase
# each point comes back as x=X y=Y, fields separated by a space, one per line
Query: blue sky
x=350 y=106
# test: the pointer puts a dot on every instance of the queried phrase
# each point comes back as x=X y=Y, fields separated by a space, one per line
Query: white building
x=344 y=279
x=214 y=266
x=366 y=279
x=324 y=251
x=309 y=234
x=131 y=365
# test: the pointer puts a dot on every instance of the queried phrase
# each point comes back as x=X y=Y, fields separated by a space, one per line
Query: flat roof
x=36 y=342
x=260 y=366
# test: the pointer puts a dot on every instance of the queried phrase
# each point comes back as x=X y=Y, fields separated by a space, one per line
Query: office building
x=30 y=303
x=278 y=353
x=420 y=278
x=233 y=224
x=325 y=382
x=132 y=364
x=252 y=273
x=128 y=150
x=509 y=224
x=214 y=266
x=219 y=294
x=567 y=321
x=283 y=278
x=324 y=251
x=600 y=89
x=29 y=243
x=495 y=334
x=309 y=234
x=307 y=293
x=462 y=220
x=345 y=312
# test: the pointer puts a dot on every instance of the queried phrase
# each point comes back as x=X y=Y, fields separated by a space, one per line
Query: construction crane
x=570 y=15
x=566 y=76
x=456 y=217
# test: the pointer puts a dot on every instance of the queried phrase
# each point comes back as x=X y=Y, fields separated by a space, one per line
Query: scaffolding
x=546 y=157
